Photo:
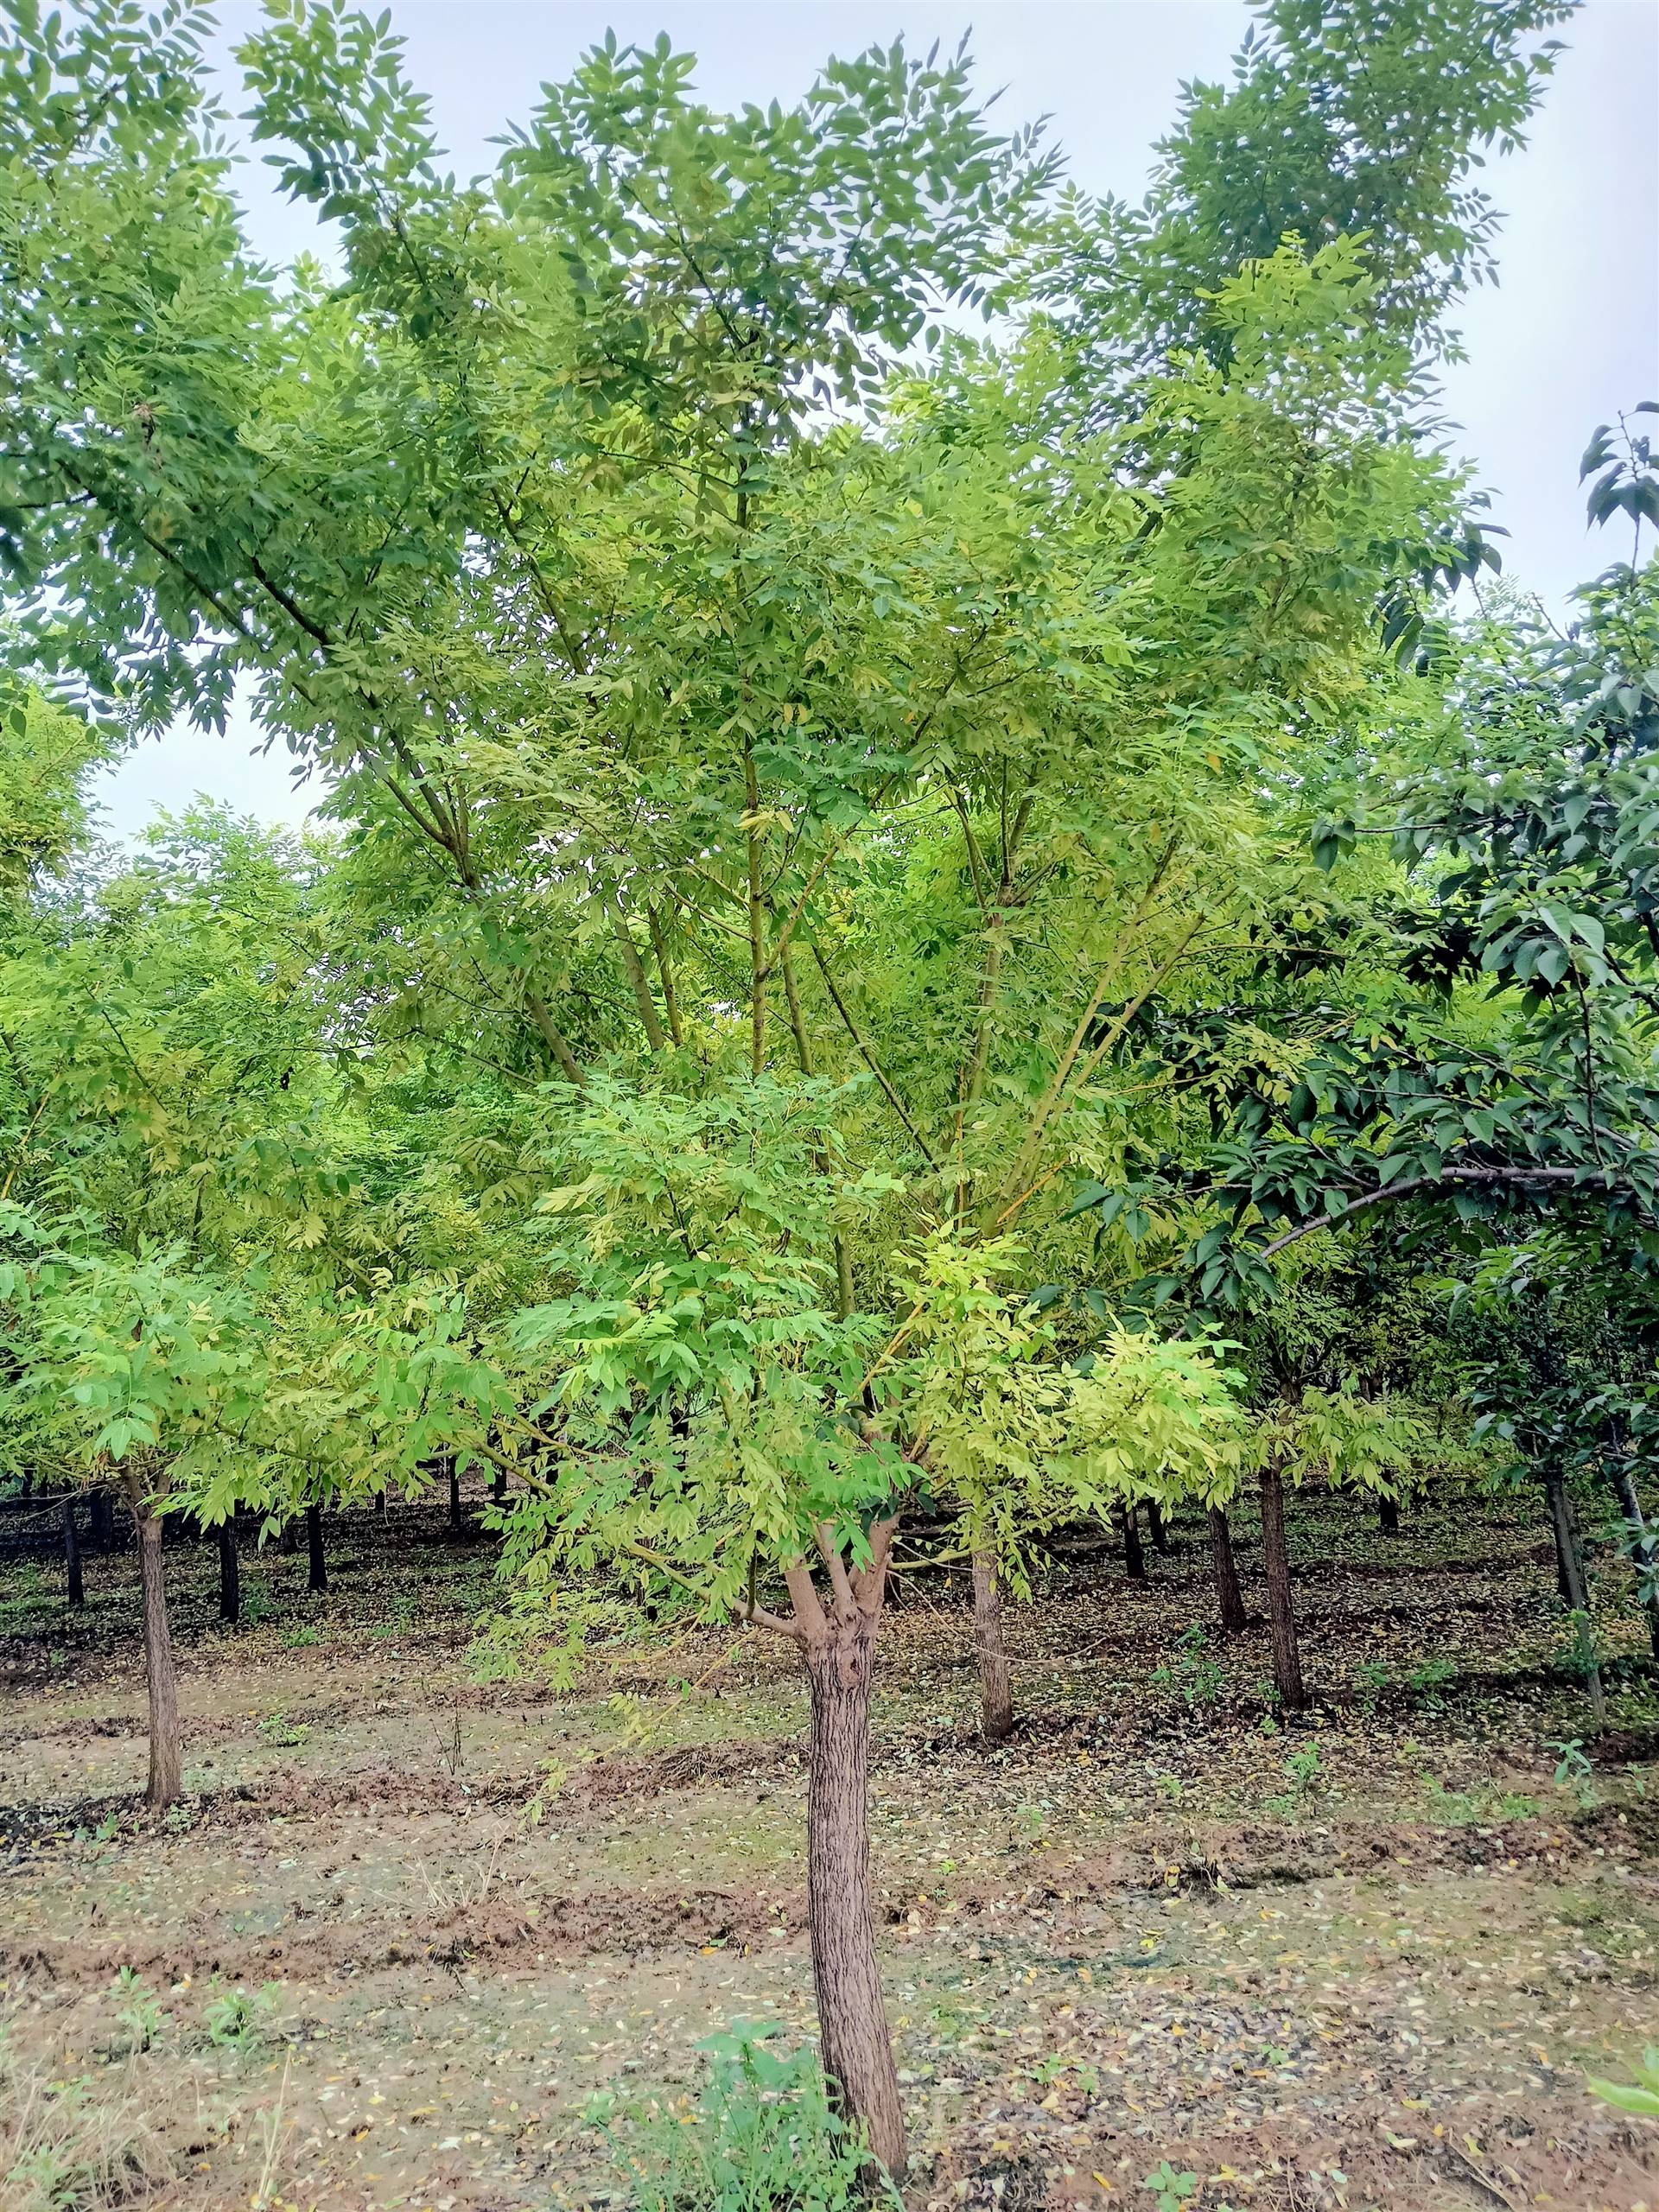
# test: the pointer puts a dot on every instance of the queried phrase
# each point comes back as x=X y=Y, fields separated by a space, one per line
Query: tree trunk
x=1281 y=1611
x=166 y=1747
x=857 y=2045
x=499 y=1487
x=455 y=1501
x=1569 y=1573
x=380 y=1503
x=996 y=1698
x=1155 y=1527
x=1387 y=1516
x=72 y=1554
x=1230 y=1597
x=103 y=1521
x=230 y=1572
x=317 y=1575
x=1640 y=1540
x=1133 y=1558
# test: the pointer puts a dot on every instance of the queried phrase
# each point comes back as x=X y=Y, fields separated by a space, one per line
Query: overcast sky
x=1570 y=336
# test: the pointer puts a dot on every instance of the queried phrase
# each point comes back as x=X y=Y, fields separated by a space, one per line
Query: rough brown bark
x=72 y=1554
x=857 y=2045
x=166 y=1747
x=1228 y=1596
x=1281 y=1611
x=317 y=1566
x=1134 y=1559
x=230 y=1572
x=1387 y=1516
x=1641 y=1542
x=995 y=1697
x=1569 y=1570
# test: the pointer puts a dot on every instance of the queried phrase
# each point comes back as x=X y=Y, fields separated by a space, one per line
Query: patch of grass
x=761 y=2134
x=70 y=2143
x=277 y=1728
x=296 y=1639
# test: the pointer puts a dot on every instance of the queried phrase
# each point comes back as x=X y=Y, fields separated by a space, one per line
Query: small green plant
x=1194 y=1674
x=239 y=2019
x=1304 y=1773
x=1373 y=1678
x=1032 y=1820
x=1574 y=1771
x=1059 y=2069
x=1304 y=1768
x=761 y=2135
x=1640 y=2096
x=1430 y=1679
x=1171 y=1789
x=1171 y=2189
x=277 y=1728
x=138 y=2015
x=296 y=1639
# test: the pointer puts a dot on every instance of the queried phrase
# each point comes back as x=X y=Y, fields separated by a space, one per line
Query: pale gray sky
x=1570 y=336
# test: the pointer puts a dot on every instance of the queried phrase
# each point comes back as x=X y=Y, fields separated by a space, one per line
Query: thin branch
x=871 y=1062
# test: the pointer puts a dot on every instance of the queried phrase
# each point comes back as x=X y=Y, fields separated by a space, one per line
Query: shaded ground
x=1366 y=1963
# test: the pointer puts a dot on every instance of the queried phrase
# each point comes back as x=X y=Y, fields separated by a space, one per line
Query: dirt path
x=1360 y=1964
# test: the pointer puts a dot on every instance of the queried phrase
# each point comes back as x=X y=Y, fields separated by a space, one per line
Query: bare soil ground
x=1364 y=1962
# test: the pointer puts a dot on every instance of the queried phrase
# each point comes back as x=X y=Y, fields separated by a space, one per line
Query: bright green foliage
x=804 y=779
x=1360 y=119
x=1640 y=2096
x=761 y=2138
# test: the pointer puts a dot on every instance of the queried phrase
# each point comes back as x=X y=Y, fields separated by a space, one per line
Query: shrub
x=761 y=2138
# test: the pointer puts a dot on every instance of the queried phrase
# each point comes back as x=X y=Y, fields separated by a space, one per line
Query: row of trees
x=904 y=921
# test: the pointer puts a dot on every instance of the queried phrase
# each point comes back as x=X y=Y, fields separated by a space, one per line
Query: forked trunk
x=1281 y=1611
x=857 y=2046
x=1387 y=1516
x=1569 y=1574
x=1229 y=1597
x=996 y=1698
x=317 y=1576
x=230 y=1572
x=72 y=1554
x=166 y=1748
x=1134 y=1559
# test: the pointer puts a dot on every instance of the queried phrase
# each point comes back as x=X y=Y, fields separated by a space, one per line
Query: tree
x=790 y=759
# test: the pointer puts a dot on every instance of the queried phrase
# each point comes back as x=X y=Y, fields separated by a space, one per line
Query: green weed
x=761 y=2135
